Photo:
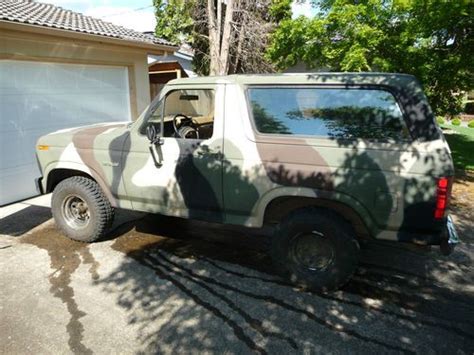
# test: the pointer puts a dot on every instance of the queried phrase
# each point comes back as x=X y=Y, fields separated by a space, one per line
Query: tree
x=173 y=20
x=432 y=40
x=228 y=36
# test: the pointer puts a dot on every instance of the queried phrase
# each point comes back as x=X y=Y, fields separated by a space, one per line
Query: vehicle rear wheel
x=81 y=210
x=316 y=249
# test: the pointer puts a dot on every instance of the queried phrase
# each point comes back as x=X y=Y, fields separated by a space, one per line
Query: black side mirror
x=154 y=139
x=151 y=133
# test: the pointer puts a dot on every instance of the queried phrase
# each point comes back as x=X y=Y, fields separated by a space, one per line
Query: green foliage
x=461 y=142
x=471 y=124
x=440 y=119
x=280 y=10
x=456 y=122
x=432 y=40
x=173 y=20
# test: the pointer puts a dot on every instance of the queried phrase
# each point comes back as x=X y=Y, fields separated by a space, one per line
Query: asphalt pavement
x=166 y=285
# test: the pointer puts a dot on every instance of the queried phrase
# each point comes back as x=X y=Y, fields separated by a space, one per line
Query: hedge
x=456 y=122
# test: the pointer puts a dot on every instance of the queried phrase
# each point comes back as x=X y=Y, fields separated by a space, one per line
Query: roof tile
x=40 y=14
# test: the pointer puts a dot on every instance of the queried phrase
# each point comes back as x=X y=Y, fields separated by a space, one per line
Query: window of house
x=327 y=112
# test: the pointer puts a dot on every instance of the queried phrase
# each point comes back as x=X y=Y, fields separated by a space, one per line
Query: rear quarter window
x=340 y=113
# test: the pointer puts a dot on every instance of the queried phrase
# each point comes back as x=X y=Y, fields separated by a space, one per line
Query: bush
x=440 y=119
x=471 y=124
x=469 y=108
x=456 y=122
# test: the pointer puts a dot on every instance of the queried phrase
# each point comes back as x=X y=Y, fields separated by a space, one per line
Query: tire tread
x=105 y=211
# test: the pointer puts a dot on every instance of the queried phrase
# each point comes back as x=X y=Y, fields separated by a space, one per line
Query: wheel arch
x=58 y=171
x=55 y=176
x=280 y=206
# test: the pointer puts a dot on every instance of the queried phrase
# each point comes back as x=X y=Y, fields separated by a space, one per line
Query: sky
x=134 y=14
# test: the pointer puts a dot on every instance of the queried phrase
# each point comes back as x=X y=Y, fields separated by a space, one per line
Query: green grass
x=462 y=146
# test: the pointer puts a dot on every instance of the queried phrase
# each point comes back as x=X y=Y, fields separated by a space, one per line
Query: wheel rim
x=75 y=212
x=312 y=251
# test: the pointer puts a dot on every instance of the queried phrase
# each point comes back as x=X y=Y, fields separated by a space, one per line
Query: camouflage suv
x=326 y=158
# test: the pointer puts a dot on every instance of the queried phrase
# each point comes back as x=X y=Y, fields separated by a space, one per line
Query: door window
x=187 y=114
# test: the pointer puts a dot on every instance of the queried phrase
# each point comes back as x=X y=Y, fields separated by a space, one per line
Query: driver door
x=184 y=177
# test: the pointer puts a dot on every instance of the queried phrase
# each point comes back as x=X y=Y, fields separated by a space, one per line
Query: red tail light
x=442 y=197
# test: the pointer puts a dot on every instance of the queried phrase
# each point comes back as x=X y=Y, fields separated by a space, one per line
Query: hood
x=82 y=137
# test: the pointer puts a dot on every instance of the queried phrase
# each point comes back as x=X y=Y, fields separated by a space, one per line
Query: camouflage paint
x=189 y=181
x=87 y=149
x=233 y=176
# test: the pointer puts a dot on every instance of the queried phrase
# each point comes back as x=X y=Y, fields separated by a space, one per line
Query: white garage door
x=38 y=98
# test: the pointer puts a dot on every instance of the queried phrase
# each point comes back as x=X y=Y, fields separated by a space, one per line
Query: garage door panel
x=39 y=98
x=17 y=148
x=16 y=184
x=10 y=112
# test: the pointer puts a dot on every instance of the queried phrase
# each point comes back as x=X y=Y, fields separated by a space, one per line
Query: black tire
x=316 y=249
x=81 y=210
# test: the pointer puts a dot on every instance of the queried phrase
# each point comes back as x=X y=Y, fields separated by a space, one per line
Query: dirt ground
x=166 y=285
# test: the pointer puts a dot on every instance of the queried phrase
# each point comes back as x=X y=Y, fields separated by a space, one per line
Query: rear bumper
x=446 y=237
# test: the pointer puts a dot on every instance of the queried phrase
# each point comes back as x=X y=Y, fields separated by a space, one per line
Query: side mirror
x=154 y=139
x=151 y=133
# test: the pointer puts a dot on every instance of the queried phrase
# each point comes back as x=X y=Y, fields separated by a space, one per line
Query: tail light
x=443 y=193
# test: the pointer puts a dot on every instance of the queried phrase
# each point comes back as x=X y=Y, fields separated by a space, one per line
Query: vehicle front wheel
x=81 y=210
x=316 y=249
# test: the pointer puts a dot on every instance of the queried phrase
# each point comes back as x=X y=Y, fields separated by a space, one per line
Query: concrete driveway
x=169 y=286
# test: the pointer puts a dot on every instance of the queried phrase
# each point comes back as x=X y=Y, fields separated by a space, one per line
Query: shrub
x=440 y=119
x=469 y=108
x=456 y=122
x=471 y=124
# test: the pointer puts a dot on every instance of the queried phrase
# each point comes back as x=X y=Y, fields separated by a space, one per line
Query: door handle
x=201 y=153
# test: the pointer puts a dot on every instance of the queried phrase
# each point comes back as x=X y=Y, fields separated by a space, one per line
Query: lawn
x=461 y=142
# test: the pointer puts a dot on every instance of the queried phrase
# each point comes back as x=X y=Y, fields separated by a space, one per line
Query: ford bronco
x=328 y=159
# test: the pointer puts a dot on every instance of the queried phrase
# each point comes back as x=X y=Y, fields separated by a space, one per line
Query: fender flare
x=258 y=214
x=69 y=165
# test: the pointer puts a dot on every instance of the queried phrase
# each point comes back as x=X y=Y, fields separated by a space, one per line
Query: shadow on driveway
x=192 y=286
x=23 y=221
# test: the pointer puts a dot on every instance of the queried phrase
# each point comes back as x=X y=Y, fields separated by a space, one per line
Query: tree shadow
x=188 y=286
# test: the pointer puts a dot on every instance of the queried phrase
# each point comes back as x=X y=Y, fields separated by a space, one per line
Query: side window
x=187 y=114
x=334 y=113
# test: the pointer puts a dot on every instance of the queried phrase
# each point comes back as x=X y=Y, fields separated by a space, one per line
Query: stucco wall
x=19 y=45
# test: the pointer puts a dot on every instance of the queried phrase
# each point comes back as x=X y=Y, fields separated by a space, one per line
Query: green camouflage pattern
x=237 y=174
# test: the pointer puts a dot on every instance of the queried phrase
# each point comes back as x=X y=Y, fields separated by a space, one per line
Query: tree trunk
x=226 y=37
x=219 y=43
x=214 y=46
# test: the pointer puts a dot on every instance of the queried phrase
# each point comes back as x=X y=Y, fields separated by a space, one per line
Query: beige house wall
x=20 y=42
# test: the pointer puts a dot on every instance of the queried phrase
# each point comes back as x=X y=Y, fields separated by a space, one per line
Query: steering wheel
x=182 y=130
